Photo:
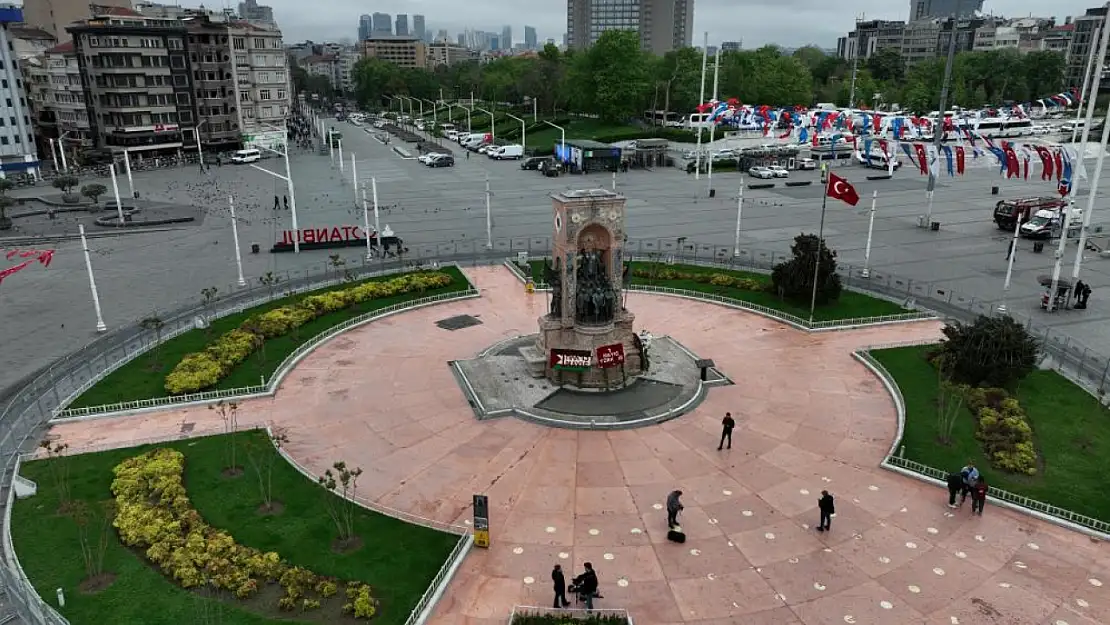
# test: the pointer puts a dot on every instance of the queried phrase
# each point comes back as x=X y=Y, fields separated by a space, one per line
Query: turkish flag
x=841 y=189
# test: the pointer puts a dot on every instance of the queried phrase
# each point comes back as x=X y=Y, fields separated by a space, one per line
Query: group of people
x=966 y=482
x=584 y=586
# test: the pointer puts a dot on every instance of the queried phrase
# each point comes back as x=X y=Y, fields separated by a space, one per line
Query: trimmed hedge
x=1003 y=430
x=154 y=515
x=714 y=279
x=201 y=370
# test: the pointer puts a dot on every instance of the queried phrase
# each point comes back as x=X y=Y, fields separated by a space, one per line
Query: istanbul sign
x=332 y=236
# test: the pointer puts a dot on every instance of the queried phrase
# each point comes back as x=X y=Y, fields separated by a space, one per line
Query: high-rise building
x=506 y=40
x=418 y=27
x=402 y=22
x=663 y=25
x=54 y=15
x=383 y=24
x=251 y=11
x=1083 y=38
x=365 y=27
x=530 y=42
x=495 y=43
x=401 y=51
x=17 y=142
x=925 y=9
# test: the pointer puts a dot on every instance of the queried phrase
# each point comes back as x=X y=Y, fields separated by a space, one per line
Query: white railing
x=142 y=405
x=15 y=578
x=423 y=608
x=571 y=614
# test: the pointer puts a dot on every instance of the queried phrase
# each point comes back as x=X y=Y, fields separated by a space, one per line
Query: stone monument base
x=588 y=338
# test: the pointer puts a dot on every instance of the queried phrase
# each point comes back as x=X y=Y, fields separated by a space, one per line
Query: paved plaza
x=810 y=418
x=48 y=313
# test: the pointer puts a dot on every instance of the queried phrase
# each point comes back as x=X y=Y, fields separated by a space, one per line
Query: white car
x=807 y=163
x=427 y=158
x=486 y=148
x=761 y=172
x=779 y=171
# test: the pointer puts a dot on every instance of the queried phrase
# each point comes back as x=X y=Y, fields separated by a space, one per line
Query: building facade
x=214 y=91
x=383 y=24
x=871 y=36
x=54 y=15
x=506 y=40
x=18 y=150
x=732 y=46
x=402 y=25
x=663 y=25
x=251 y=11
x=926 y=9
x=401 y=51
x=530 y=41
x=58 y=100
x=419 y=28
x=447 y=53
x=263 y=81
x=365 y=27
x=1084 y=38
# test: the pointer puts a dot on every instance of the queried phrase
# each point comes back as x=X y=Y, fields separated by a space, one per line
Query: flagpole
x=701 y=100
x=820 y=243
x=1084 y=94
x=870 y=229
x=713 y=126
x=938 y=128
x=1090 y=201
x=739 y=214
x=1096 y=78
x=1010 y=267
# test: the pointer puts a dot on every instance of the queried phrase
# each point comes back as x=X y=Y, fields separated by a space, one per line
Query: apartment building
x=871 y=36
x=1084 y=38
x=943 y=9
x=57 y=97
x=18 y=153
x=263 y=82
x=251 y=11
x=663 y=25
x=54 y=15
x=401 y=51
x=446 y=53
x=138 y=81
x=214 y=89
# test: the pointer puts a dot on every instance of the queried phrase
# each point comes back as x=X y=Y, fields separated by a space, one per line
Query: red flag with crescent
x=922 y=160
x=959 y=160
x=841 y=189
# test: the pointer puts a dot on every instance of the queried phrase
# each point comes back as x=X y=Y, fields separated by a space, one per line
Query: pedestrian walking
x=979 y=496
x=468 y=155
x=285 y=198
x=726 y=430
x=955 y=486
x=560 y=587
x=674 y=506
x=827 y=505
x=277 y=202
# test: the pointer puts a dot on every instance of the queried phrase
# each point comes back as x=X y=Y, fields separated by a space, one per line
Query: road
x=47 y=312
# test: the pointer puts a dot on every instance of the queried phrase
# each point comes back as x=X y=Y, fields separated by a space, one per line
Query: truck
x=1009 y=213
x=1047 y=223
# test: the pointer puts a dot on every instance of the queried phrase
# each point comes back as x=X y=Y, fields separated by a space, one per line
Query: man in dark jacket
x=726 y=431
x=674 y=506
x=955 y=486
x=586 y=585
x=560 y=587
x=828 y=508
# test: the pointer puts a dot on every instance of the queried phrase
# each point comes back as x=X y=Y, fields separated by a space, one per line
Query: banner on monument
x=610 y=355
x=571 y=360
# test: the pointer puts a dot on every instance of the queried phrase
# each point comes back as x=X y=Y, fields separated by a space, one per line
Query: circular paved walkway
x=809 y=418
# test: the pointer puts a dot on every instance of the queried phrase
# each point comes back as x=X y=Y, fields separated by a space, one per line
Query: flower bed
x=156 y=516
x=573 y=618
x=1002 y=429
x=203 y=370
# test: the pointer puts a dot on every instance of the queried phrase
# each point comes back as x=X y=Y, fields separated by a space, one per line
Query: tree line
x=615 y=79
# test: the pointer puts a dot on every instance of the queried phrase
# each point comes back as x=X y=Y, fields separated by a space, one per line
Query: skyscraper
x=530 y=37
x=402 y=24
x=418 y=28
x=442 y=35
x=663 y=25
x=506 y=40
x=383 y=25
x=925 y=9
x=365 y=27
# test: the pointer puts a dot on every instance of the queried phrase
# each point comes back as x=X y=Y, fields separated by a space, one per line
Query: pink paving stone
x=400 y=415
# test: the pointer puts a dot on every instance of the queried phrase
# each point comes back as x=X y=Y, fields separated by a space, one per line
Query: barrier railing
x=421 y=611
x=570 y=614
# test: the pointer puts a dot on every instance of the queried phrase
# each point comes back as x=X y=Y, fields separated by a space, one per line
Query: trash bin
x=994 y=190
x=935 y=226
x=255 y=248
x=1038 y=246
x=712 y=193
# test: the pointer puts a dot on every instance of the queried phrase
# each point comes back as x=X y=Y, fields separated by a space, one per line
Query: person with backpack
x=827 y=506
x=979 y=496
x=955 y=487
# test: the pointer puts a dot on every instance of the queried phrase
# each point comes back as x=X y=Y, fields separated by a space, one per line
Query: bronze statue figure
x=595 y=301
x=554 y=279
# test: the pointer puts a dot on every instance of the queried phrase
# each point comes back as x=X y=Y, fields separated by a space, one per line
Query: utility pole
x=855 y=69
x=938 y=128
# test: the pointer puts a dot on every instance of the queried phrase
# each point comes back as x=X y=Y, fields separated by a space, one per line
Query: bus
x=662 y=118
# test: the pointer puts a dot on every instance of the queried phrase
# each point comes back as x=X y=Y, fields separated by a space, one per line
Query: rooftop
x=62 y=48
x=23 y=31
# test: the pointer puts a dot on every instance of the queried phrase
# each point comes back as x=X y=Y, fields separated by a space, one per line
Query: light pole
x=339 y=149
x=563 y=137
x=938 y=128
x=374 y=190
x=53 y=154
x=100 y=327
x=469 y=110
x=354 y=177
x=492 y=124
x=366 y=224
x=1010 y=271
x=870 y=230
x=288 y=178
x=489 y=218
x=739 y=216
x=435 y=113
x=523 y=130
x=235 y=235
x=196 y=135
x=450 y=110
x=127 y=168
x=115 y=191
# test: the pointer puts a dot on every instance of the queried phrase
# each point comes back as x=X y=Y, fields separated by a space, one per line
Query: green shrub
x=714 y=279
x=1003 y=430
x=992 y=352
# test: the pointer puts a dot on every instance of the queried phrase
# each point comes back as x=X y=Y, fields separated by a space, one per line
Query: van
x=249 y=155
x=506 y=152
x=446 y=128
x=466 y=138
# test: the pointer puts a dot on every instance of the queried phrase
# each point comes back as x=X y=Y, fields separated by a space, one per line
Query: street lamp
x=288 y=178
x=523 y=139
x=468 y=110
x=492 y=124
x=435 y=113
x=563 y=140
x=196 y=134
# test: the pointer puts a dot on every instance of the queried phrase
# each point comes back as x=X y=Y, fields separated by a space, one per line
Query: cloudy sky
x=756 y=22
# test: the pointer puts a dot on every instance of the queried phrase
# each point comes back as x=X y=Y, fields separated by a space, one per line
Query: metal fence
x=568 y=614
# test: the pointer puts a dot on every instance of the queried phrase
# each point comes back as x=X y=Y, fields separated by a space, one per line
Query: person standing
x=726 y=430
x=560 y=587
x=587 y=584
x=674 y=506
x=970 y=475
x=828 y=508
x=979 y=496
x=955 y=486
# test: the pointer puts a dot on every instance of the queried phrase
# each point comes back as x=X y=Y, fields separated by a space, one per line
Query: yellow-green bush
x=154 y=515
x=1002 y=429
x=714 y=279
x=205 y=369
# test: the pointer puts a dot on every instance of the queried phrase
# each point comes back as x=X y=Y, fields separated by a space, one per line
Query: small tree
x=93 y=191
x=793 y=279
x=154 y=324
x=993 y=352
x=229 y=413
x=336 y=263
x=58 y=467
x=341 y=483
x=950 y=401
x=94 y=529
x=262 y=461
x=269 y=280
x=209 y=296
x=65 y=184
x=5 y=203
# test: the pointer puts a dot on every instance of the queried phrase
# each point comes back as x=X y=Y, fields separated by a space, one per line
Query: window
x=180 y=80
x=239 y=43
x=259 y=43
x=176 y=60
x=240 y=59
x=174 y=44
x=248 y=113
x=3 y=141
x=182 y=98
x=263 y=94
x=244 y=96
x=186 y=117
x=281 y=94
x=18 y=139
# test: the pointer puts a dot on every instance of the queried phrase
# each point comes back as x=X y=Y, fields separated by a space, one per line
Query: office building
x=873 y=35
x=401 y=51
x=1084 y=37
x=251 y=11
x=927 y=9
x=446 y=53
x=54 y=15
x=365 y=27
x=18 y=151
x=418 y=28
x=443 y=36
x=383 y=24
x=461 y=39
x=506 y=40
x=402 y=29
x=663 y=25
x=530 y=42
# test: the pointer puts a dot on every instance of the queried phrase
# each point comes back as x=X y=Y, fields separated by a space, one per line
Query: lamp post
x=62 y=150
x=100 y=327
x=288 y=178
x=563 y=137
x=235 y=235
x=492 y=124
x=354 y=177
x=53 y=154
x=739 y=215
x=339 y=149
x=366 y=225
x=489 y=218
x=374 y=191
x=115 y=191
x=127 y=168
x=523 y=139
x=196 y=135
x=469 y=110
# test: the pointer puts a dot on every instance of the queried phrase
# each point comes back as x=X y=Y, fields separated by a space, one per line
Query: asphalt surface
x=47 y=312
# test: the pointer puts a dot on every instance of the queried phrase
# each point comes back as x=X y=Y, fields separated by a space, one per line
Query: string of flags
x=28 y=257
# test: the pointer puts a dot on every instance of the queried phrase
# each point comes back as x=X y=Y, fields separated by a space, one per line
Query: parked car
x=428 y=158
x=505 y=152
x=534 y=162
x=761 y=172
x=485 y=147
x=442 y=160
x=779 y=171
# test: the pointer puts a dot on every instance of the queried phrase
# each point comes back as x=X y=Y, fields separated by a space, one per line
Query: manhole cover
x=187 y=427
x=458 y=322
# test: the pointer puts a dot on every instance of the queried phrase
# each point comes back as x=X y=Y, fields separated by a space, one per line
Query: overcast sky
x=788 y=23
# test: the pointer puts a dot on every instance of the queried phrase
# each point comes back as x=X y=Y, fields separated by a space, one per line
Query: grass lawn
x=145 y=376
x=1071 y=432
x=544 y=140
x=397 y=559
x=851 y=305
